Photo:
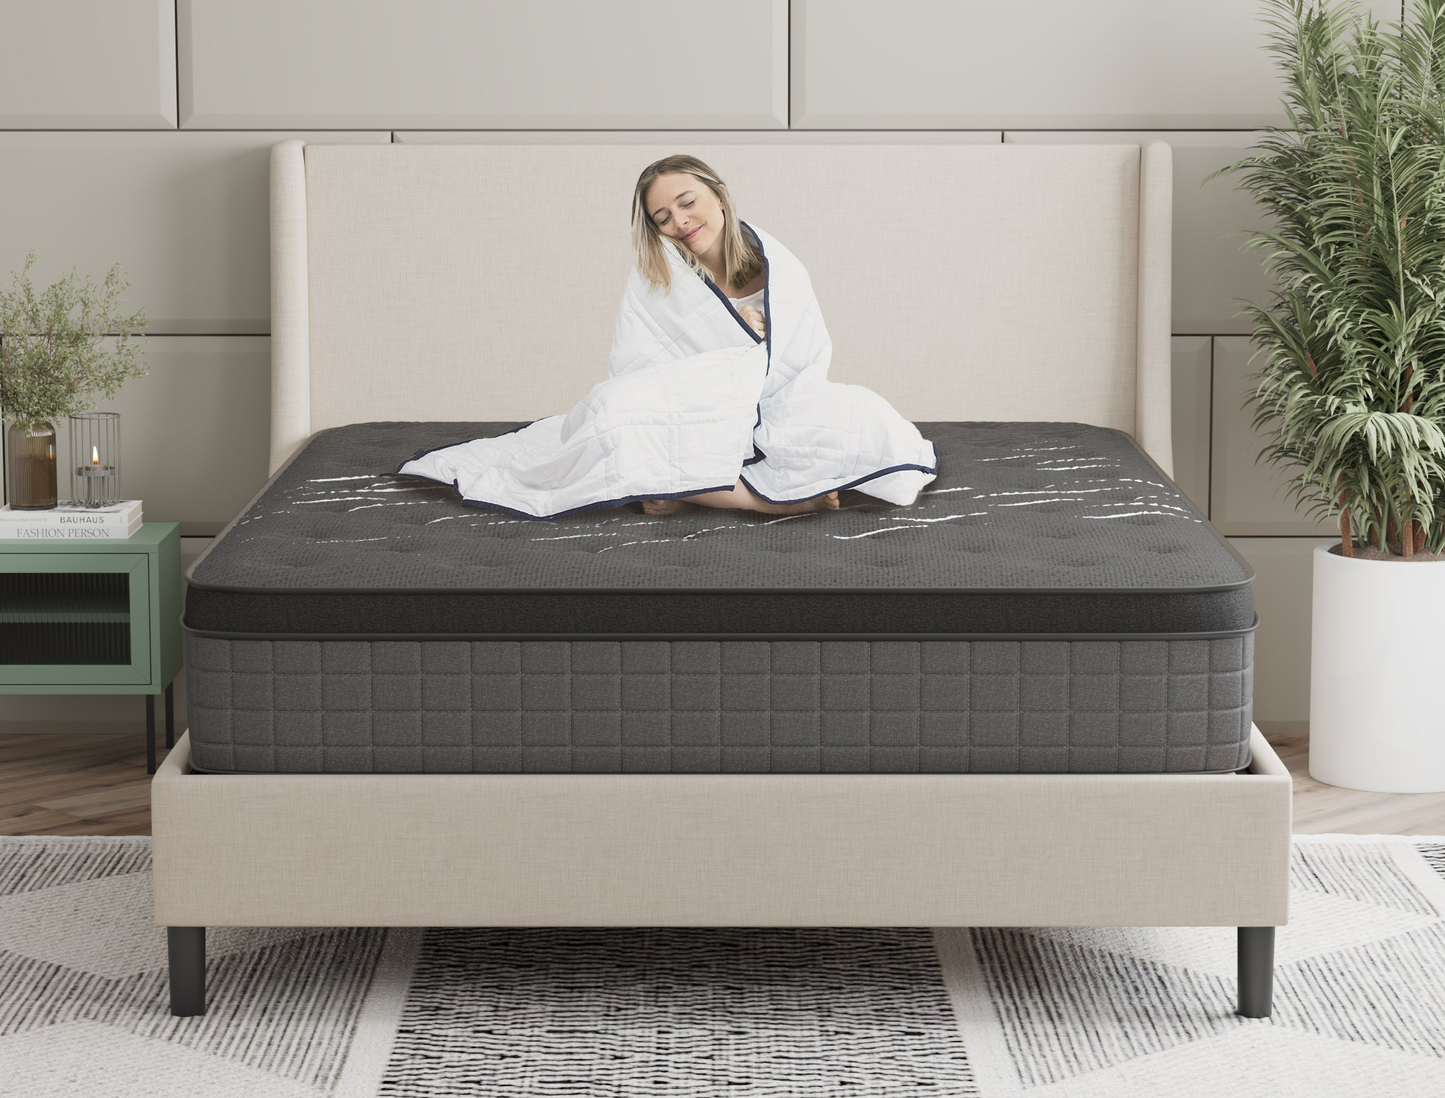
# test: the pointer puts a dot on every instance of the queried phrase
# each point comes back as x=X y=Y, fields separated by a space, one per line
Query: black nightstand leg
x=170 y=714
x=150 y=733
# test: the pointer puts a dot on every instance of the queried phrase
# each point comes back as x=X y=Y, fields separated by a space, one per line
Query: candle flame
x=94 y=455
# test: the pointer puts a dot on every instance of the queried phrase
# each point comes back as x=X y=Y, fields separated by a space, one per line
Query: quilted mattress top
x=1045 y=529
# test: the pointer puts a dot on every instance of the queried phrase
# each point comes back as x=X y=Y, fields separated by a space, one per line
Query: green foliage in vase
x=53 y=351
x=1351 y=396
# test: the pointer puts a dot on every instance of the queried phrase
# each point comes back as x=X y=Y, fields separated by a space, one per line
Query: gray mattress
x=1050 y=603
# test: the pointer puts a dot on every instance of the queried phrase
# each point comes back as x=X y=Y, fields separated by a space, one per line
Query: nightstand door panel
x=74 y=619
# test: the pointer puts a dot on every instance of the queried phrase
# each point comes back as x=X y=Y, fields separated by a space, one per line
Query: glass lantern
x=95 y=459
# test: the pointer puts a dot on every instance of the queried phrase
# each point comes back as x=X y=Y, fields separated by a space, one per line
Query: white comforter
x=694 y=401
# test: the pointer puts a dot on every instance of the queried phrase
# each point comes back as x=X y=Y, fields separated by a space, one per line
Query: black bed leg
x=171 y=714
x=186 y=946
x=1256 y=970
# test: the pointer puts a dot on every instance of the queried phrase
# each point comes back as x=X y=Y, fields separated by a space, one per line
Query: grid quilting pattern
x=734 y=706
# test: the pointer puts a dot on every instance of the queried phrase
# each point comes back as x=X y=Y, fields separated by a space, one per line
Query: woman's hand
x=755 y=320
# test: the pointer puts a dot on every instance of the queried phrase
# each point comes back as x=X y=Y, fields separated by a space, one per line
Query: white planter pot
x=1377 y=657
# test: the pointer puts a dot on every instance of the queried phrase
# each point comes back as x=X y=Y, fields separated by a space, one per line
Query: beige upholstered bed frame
x=480 y=282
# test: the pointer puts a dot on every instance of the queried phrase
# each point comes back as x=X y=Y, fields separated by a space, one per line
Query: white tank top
x=755 y=300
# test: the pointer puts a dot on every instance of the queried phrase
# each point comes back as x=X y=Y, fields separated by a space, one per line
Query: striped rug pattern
x=677 y=1011
x=1112 y=1012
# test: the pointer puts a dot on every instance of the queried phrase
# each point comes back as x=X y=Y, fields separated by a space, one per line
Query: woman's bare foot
x=663 y=506
x=818 y=503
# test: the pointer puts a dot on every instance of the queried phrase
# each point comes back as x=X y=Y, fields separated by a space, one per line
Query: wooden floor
x=96 y=784
x=75 y=783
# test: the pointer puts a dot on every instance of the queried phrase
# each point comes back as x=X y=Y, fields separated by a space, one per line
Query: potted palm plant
x=53 y=357
x=1351 y=396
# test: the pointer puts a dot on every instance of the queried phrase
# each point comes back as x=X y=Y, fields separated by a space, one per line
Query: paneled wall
x=137 y=131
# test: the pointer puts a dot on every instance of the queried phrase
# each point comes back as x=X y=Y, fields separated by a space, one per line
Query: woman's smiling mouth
x=692 y=234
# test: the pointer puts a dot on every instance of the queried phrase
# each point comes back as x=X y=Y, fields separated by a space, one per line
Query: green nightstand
x=98 y=616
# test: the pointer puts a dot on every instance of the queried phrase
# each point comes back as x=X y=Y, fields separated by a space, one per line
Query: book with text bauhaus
x=66 y=520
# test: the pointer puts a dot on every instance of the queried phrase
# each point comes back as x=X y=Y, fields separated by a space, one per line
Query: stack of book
x=119 y=520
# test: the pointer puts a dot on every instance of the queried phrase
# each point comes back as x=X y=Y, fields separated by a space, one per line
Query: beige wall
x=137 y=131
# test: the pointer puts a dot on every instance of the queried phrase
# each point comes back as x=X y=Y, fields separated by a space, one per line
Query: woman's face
x=684 y=208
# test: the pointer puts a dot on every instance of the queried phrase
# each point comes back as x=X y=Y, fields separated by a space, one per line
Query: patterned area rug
x=1042 y=1013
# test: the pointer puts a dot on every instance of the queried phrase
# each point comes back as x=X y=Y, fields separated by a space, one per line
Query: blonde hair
x=742 y=259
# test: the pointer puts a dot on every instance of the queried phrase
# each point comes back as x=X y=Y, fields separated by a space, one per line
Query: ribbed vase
x=30 y=466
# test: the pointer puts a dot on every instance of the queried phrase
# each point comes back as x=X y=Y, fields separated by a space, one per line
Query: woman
x=717 y=392
x=680 y=199
x=679 y=204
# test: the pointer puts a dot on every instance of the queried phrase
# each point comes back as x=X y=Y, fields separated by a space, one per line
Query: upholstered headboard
x=481 y=282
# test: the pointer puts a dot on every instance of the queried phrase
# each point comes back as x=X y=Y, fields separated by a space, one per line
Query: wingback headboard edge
x=290 y=327
x=1153 y=367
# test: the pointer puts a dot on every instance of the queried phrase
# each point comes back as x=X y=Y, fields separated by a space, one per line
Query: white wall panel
x=483 y=64
x=1211 y=263
x=1049 y=64
x=36 y=714
x=185 y=214
x=1282 y=596
x=684 y=138
x=1248 y=497
x=1189 y=390
x=194 y=431
x=92 y=64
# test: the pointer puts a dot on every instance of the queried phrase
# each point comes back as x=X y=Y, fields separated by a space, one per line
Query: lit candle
x=95 y=469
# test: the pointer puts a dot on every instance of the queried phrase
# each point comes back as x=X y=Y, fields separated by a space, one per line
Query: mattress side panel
x=1180 y=705
x=860 y=612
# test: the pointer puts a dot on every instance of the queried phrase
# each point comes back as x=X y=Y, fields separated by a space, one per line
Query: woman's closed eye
x=685 y=206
